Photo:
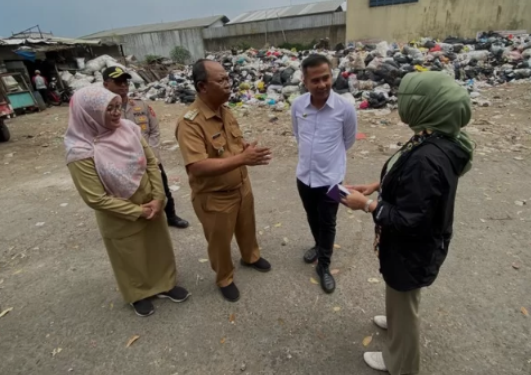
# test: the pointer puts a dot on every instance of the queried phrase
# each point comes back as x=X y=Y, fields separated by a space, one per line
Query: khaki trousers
x=223 y=216
x=402 y=351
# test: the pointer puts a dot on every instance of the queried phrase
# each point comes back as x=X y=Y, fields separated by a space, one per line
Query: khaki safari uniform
x=140 y=250
x=224 y=204
x=143 y=115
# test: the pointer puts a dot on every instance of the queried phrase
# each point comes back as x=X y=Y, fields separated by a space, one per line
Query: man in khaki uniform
x=216 y=156
x=117 y=81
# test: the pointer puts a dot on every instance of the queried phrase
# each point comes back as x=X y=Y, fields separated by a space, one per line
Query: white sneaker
x=380 y=321
x=375 y=360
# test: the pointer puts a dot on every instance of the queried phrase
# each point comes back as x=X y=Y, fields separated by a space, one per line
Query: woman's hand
x=356 y=200
x=155 y=207
x=364 y=189
x=146 y=211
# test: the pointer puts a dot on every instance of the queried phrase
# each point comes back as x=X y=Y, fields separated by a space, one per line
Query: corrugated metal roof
x=166 y=26
x=33 y=35
x=50 y=40
x=289 y=11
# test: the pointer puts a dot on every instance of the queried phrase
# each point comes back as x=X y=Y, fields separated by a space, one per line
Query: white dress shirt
x=324 y=136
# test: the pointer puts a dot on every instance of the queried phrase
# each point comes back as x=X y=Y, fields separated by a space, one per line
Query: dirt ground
x=67 y=316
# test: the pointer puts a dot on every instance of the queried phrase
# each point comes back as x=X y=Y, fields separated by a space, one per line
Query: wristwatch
x=368 y=205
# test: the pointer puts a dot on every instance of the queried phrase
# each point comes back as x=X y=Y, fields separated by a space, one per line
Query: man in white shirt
x=41 y=85
x=324 y=125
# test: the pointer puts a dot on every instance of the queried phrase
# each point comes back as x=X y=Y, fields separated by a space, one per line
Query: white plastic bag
x=375 y=63
x=79 y=84
x=348 y=96
x=98 y=77
x=359 y=61
x=80 y=63
x=98 y=64
x=295 y=65
x=296 y=78
x=352 y=83
x=478 y=55
x=288 y=90
x=135 y=77
x=381 y=49
x=67 y=77
x=112 y=63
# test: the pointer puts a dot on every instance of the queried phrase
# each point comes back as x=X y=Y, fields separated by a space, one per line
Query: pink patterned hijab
x=118 y=153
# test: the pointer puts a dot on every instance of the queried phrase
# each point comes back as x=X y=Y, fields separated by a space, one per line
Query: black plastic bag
x=377 y=100
x=285 y=76
x=341 y=85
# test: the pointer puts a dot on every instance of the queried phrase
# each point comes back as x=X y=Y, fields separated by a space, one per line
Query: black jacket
x=416 y=212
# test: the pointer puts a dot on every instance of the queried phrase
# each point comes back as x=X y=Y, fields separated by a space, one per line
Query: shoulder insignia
x=191 y=115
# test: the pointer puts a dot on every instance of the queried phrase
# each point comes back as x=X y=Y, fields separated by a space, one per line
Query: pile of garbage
x=91 y=73
x=368 y=75
x=177 y=86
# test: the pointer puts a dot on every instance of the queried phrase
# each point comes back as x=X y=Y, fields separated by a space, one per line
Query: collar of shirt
x=129 y=104
x=207 y=111
x=330 y=102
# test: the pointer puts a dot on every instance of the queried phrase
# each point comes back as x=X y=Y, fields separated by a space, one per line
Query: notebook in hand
x=337 y=192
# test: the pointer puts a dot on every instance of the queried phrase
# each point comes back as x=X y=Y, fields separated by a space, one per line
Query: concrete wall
x=435 y=18
x=162 y=42
x=302 y=29
x=335 y=33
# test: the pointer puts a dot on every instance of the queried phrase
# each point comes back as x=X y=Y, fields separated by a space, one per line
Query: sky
x=76 y=18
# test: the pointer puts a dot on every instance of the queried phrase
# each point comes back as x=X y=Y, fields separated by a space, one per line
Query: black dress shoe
x=178 y=294
x=143 y=307
x=177 y=222
x=230 y=292
x=261 y=265
x=311 y=255
x=327 y=280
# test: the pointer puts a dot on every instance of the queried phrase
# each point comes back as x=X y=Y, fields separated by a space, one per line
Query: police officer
x=117 y=81
x=216 y=156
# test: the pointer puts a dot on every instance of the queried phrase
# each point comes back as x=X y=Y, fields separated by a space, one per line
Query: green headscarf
x=434 y=101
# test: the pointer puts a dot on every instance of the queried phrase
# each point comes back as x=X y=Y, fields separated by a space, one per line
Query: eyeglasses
x=121 y=82
x=222 y=81
x=114 y=108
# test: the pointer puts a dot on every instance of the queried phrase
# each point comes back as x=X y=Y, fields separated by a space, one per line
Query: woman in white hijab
x=117 y=175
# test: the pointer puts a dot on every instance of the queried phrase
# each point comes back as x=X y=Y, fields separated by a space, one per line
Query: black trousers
x=44 y=94
x=321 y=212
x=170 y=204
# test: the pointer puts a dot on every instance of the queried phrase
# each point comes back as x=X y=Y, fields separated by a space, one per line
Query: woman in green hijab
x=415 y=208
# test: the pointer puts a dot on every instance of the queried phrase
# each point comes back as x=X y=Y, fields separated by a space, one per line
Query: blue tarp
x=27 y=55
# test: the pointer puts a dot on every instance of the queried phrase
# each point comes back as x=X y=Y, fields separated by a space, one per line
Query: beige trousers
x=402 y=351
x=225 y=215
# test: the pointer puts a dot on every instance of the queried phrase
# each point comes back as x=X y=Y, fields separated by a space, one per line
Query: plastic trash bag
x=359 y=62
x=375 y=63
x=98 y=64
x=286 y=74
x=341 y=85
x=79 y=84
x=67 y=77
x=348 y=97
x=288 y=90
x=296 y=78
x=381 y=49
